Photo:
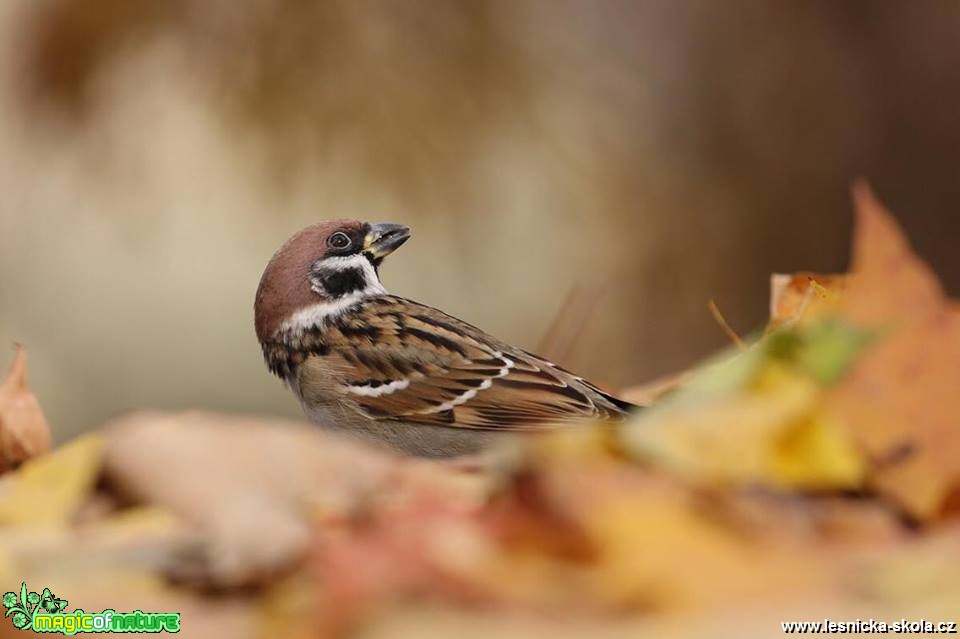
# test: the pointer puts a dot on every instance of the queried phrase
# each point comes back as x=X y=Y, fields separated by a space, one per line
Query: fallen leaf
x=24 y=432
x=776 y=434
x=887 y=283
x=758 y=417
x=658 y=552
x=802 y=296
x=617 y=537
x=899 y=400
x=50 y=490
x=254 y=487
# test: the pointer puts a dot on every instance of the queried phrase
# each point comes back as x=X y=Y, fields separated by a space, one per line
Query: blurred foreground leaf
x=758 y=417
x=900 y=400
x=800 y=296
x=49 y=490
x=24 y=432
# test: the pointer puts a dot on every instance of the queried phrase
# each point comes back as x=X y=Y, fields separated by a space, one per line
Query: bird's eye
x=339 y=240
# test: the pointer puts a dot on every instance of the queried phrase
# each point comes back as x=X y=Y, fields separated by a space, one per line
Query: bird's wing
x=395 y=359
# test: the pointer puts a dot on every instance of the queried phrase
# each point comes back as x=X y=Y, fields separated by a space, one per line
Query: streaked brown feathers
x=393 y=359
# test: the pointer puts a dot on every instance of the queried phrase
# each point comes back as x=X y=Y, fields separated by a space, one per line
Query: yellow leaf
x=47 y=490
x=774 y=433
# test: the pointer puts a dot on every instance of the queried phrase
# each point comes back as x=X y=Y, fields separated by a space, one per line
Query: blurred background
x=657 y=153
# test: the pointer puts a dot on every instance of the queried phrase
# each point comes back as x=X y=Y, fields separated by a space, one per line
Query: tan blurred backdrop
x=154 y=153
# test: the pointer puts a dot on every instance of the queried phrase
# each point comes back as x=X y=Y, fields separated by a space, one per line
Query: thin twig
x=715 y=311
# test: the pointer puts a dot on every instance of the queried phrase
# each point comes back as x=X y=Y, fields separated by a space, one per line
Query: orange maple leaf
x=900 y=398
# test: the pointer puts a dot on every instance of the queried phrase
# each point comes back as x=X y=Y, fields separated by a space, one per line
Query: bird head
x=321 y=270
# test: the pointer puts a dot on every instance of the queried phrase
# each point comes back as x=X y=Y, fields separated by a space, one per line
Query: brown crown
x=285 y=284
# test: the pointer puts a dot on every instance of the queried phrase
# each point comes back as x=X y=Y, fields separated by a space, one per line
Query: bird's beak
x=384 y=239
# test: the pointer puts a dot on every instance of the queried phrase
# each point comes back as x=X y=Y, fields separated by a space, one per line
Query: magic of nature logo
x=45 y=612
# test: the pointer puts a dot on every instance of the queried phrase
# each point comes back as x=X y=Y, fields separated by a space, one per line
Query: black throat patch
x=339 y=282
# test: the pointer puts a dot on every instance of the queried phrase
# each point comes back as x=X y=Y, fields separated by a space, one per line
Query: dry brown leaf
x=900 y=399
x=581 y=533
x=801 y=296
x=887 y=283
x=890 y=582
x=24 y=432
x=657 y=549
x=253 y=486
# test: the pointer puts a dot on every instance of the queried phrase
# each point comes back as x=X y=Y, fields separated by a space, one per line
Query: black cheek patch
x=341 y=282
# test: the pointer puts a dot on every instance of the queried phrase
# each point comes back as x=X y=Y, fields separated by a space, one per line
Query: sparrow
x=384 y=367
